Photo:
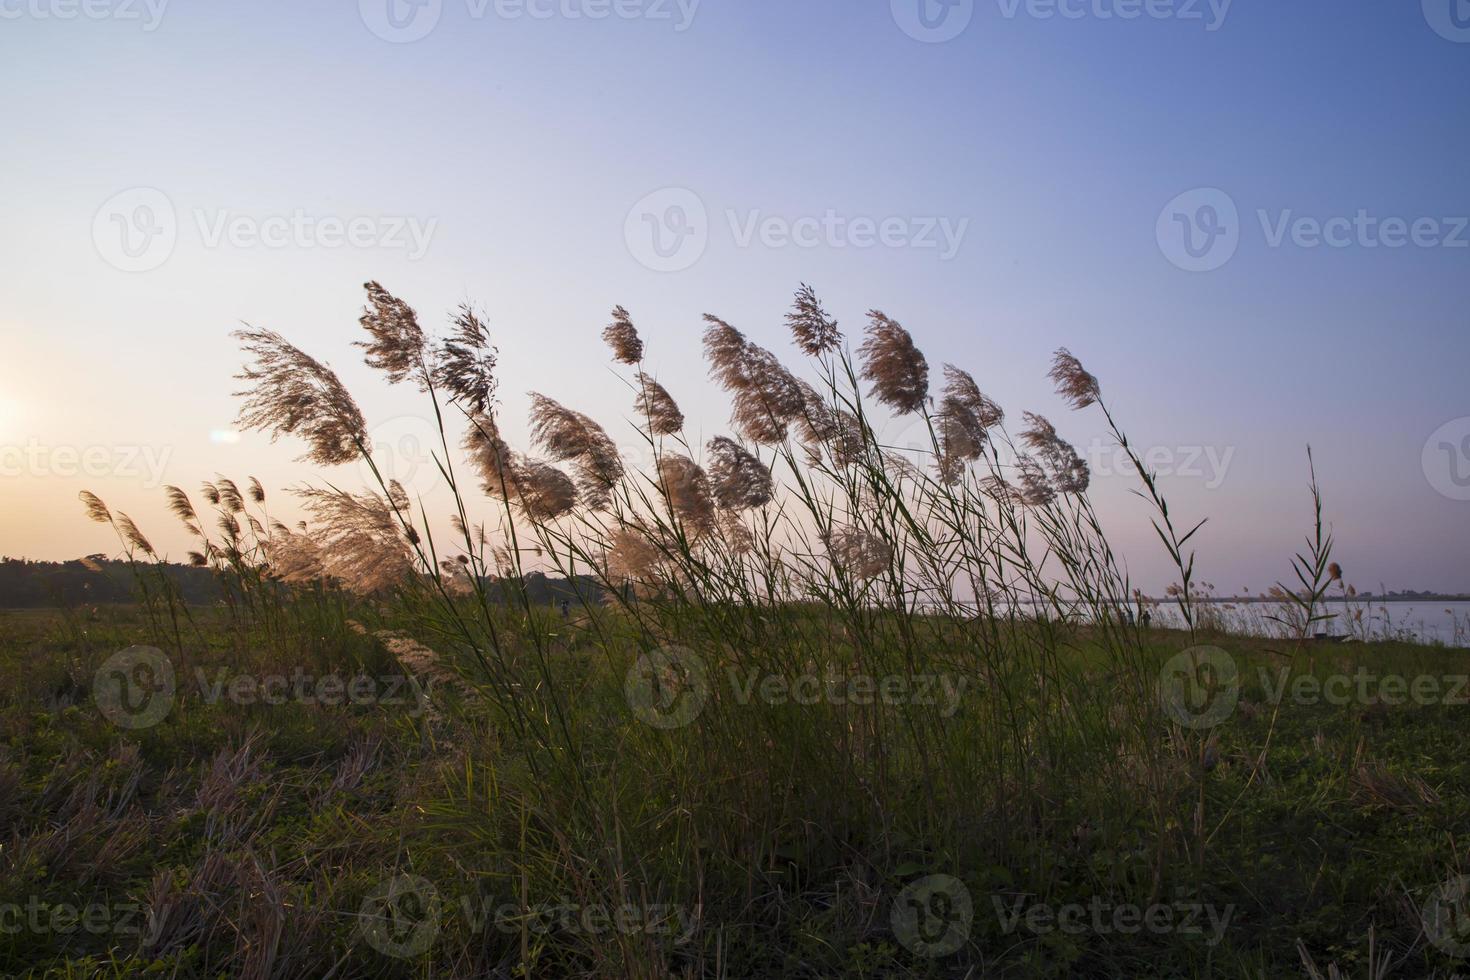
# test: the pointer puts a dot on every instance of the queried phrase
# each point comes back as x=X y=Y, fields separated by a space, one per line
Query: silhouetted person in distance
x=566 y=609
x=1145 y=618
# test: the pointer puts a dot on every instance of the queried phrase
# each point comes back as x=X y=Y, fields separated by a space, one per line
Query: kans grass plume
x=397 y=345
x=456 y=576
x=656 y=405
x=739 y=480
x=860 y=553
x=183 y=509
x=491 y=457
x=291 y=392
x=1034 y=490
x=899 y=373
x=360 y=538
x=565 y=434
x=633 y=558
x=465 y=366
x=294 y=557
x=766 y=398
x=815 y=332
x=822 y=424
x=622 y=337
x=132 y=536
x=543 y=492
x=738 y=538
x=1068 y=471
x=960 y=388
x=1073 y=383
x=965 y=414
x=230 y=497
x=127 y=531
x=688 y=491
x=96 y=509
x=997 y=489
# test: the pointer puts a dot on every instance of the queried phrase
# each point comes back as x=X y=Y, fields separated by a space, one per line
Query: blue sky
x=522 y=149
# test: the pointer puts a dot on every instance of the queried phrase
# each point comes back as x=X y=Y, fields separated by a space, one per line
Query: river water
x=1419 y=620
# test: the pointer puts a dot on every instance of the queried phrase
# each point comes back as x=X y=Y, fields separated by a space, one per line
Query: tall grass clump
x=633 y=752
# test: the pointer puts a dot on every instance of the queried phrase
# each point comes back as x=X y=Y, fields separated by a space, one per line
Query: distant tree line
x=98 y=579
x=95 y=579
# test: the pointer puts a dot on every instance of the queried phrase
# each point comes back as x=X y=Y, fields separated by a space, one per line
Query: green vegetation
x=239 y=836
x=828 y=710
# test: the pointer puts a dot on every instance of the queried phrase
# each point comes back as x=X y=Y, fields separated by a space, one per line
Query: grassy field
x=388 y=828
x=812 y=707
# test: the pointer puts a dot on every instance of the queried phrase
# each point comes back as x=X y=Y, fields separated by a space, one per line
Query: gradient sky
x=526 y=144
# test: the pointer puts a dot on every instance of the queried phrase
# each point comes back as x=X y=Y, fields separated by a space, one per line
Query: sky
x=1247 y=219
